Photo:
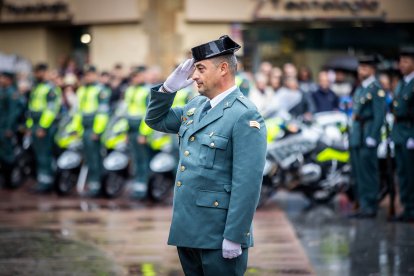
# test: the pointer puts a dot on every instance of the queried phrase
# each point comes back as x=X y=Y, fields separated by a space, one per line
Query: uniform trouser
x=43 y=150
x=140 y=158
x=365 y=169
x=405 y=170
x=6 y=149
x=93 y=158
x=208 y=262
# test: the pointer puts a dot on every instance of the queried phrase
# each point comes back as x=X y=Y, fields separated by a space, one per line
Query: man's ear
x=224 y=68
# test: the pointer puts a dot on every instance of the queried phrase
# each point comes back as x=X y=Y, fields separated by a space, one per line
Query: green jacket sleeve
x=379 y=110
x=249 y=154
x=160 y=116
x=16 y=110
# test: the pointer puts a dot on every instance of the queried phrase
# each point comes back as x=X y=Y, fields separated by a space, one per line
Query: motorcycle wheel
x=320 y=196
x=160 y=186
x=266 y=191
x=65 y=182
x=113 y=184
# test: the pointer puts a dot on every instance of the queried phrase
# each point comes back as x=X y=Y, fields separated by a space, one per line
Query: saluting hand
x=181 y=77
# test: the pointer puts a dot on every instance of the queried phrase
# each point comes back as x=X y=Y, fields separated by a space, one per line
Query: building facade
x=161 y=32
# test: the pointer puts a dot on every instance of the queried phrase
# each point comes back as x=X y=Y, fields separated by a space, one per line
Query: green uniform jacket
x=403 y=109
x=369 y=110
x=11 y=108
x=220 y=170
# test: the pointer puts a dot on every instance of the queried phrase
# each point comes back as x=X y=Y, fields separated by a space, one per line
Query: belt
x=362 y=119
x=404 y=119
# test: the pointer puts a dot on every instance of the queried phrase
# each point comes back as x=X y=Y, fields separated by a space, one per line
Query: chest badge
x=191 y=111
x=189 y=122
x=381 y=93
x=369 y=96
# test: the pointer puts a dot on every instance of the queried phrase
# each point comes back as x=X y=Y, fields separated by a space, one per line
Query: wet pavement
x=48 y=235
x=336 y=245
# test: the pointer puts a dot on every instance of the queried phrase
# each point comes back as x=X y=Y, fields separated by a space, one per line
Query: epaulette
x=245 y=101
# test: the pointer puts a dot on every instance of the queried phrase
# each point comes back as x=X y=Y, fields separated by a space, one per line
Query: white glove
x=410 y=143
x=231 y=249
x=179 y=78
x=370 y=142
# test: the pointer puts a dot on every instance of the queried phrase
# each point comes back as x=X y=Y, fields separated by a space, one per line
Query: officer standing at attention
x=11 y=107
x=368 y=117
x=222 y=154
x=136 y=100
x=403 y=134
x=93 y=100
x=44 y=105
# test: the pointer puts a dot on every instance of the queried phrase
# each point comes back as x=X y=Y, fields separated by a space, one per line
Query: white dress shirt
x=365 y=83
x=409 y=77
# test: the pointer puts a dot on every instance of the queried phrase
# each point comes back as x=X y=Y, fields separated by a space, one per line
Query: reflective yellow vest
x=39 y=103
x=136 y=101
x=94 y=100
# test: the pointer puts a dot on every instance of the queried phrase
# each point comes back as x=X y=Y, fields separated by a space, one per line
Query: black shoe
x=403 y=218
x=41 y=189
x=363 y=215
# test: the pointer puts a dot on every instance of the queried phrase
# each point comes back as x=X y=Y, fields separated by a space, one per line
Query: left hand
x=370 y=142
x=410 y=143
x=95 y=137
x=8 y=133
x=142 y=140
x=40 y=132
x=231 y=249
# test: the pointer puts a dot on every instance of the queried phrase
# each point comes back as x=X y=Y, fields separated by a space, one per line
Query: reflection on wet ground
x=48 y=235
x=336 y=245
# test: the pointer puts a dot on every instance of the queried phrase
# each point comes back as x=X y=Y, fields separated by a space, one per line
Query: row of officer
x=369 y=109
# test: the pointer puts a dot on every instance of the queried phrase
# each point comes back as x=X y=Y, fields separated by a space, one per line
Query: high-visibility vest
x=89 y=104
x=136 y=101
x=39 y=103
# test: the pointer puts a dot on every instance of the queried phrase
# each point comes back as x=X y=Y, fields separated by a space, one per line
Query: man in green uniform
x=403 y=134
x=368 y=116
x=93 y=100
x=222 y=154
x=44 y=106
x=11 y=107
x=136 y=100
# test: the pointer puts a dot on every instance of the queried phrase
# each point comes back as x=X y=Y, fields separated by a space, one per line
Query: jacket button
x=179 y=183
x=212 y=145
x=182 y=168
x=186 y=153
x=216 y=203
x=192 y=138
x=248 y=234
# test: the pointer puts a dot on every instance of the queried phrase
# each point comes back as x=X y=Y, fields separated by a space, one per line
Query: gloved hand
x=231 y=249
x=410 y=143
x=370 y=142
x=179 y=78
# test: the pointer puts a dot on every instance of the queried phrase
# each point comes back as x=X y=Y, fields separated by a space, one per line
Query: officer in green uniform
x=222 y=154
x=368 y=117
x=403 y=134
x=93 y=100
x=44 y=105
x=136 y=100
x=11 y=107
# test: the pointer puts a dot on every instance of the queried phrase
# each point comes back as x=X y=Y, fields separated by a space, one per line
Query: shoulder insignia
x=255 y=124
x=191 y=111
x=381 y=93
